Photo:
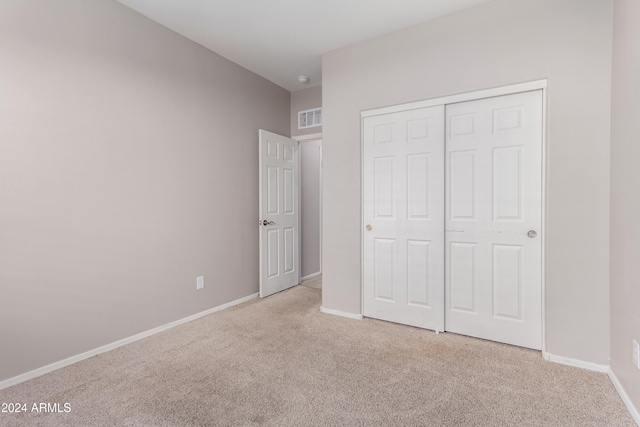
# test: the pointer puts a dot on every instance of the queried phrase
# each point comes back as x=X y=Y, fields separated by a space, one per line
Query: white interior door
x=279 y=218
x=494 y=217
x=403 y=214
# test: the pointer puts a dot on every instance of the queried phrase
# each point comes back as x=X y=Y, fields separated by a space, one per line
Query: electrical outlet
x=200 y=283
x=636 y=354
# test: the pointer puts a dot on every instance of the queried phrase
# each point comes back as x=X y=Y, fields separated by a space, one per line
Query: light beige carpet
x=314 y=282
x=280 y=362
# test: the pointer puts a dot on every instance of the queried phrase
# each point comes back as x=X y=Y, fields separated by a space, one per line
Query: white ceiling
x=282 y=39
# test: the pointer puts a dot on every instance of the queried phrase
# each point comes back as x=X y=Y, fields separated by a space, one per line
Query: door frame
x=302 y=139
x=452 y=99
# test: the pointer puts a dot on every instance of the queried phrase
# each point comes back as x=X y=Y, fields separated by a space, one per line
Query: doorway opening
x=310 y=166
x=290 y=211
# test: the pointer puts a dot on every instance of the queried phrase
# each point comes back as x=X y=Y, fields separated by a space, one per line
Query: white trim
x=79 y=357
x=310 y=276
x=341 y=313
x=320 y=190
x=543 y=224
x=260 y=218
x=598 y=368
x=462 y=97
x=575 y=362
x=625 y=397
x=310 y=137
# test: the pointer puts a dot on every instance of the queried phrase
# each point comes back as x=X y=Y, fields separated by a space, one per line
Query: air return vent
x=310 y=118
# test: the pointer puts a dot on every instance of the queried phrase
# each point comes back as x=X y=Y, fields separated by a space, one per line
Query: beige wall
x=128 y=166
x=310 y=166
x=625 y=197
x=500 y=43
x=301 y=100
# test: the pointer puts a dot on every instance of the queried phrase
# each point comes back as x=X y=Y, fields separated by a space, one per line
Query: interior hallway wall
x=502 y=42
x=128 y=167
x=625 y=197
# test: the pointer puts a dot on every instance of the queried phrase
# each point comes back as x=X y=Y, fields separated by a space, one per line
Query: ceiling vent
x=310 y=118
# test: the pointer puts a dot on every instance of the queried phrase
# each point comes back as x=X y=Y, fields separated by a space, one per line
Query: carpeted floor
x=280 y=362
x=314 y=282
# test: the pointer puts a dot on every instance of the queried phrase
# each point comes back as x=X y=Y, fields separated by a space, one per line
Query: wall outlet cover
x=200 y=282
x=636 y=354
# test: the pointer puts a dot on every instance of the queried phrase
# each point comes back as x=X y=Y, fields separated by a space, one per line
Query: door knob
x=368 y=227
x=532 y=234
x=265 y=222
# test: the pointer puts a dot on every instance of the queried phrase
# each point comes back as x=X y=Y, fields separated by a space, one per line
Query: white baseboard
x=77 y=358
x=598 y=368
x=311 y=276
x=625 y=397
x=575 y=362
x=341 y=313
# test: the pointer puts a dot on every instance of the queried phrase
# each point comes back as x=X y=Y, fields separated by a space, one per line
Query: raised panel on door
x=384 y=187
x=508 y=281
x=289 y=193
x=289 y=250
x=493 y=201
x=418 y=186
x=403 y=217
x=419 y=269
x=461 y=126
x=273 y=254
x=462 y=174
x=463 y=276
x=384 y=254
x=507 y=195
x=273 y=190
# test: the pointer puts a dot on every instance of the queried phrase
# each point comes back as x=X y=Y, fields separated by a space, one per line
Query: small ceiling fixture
x=303 y=79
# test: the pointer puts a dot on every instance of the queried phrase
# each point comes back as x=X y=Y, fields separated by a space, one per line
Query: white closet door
x=494 y=218
x=403 y=213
